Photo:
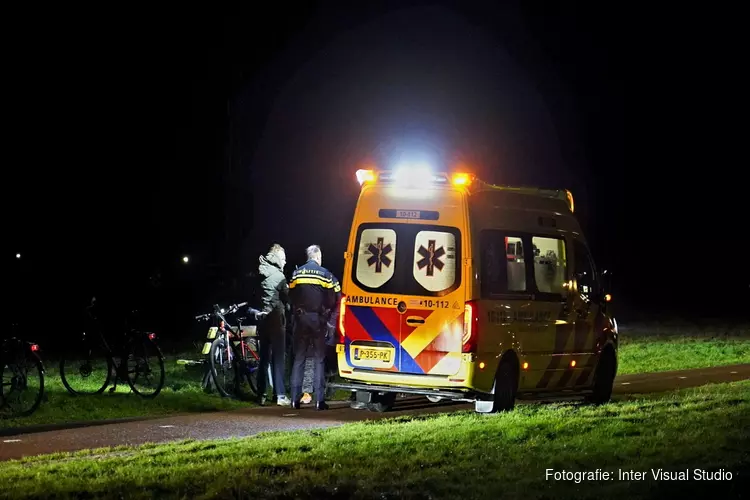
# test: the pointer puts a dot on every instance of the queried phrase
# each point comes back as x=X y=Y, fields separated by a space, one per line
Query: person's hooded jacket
x=274 y=288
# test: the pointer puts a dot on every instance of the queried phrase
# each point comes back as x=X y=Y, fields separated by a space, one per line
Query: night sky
x=134 y=138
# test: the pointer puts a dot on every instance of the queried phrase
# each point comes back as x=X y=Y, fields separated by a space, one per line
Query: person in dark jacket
x=314 y=293
x=272 y=323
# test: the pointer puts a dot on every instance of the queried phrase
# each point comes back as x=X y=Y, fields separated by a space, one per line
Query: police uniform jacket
x=314 y=289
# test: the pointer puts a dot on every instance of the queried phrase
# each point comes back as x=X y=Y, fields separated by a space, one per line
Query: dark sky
x=133 y=138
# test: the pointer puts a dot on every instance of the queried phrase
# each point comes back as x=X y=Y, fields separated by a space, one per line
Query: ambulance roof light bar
x=422 y=176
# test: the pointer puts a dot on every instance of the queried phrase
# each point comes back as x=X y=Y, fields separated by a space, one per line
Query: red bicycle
x=232 y=353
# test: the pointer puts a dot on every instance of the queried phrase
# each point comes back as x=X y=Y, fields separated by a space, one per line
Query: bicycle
x=91 y=365
x=233 y=359
x=20 y=364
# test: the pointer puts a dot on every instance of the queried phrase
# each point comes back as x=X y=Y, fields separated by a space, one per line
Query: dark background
x=134 y=137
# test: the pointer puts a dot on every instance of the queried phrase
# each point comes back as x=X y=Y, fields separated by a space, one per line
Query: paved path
x=251 y=421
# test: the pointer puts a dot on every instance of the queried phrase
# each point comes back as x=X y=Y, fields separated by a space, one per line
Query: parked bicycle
x=233 y=353
x=22 y=386
x=91 y=365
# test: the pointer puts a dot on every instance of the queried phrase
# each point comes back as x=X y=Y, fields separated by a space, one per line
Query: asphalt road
x=239 y=423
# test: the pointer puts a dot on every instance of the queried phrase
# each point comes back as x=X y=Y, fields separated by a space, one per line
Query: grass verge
x=662 y=347
x=461 y=455
x=644 y=348
x=181 y=394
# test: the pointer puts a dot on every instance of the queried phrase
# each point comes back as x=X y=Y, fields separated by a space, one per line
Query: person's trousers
x=308 y=333
x=272 y=351
x=331 y=367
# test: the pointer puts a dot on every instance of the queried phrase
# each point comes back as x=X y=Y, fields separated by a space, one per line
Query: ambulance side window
x=503 y=264
x=584 y=270
x=550 y=264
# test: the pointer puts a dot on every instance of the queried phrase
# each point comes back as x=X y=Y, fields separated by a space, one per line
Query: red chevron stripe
x=354 y=329
x=391 y=319
x=428 y=359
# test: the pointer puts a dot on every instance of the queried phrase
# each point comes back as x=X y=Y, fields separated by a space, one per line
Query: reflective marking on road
x=733 y=373
x=289 y=415
x=626 y=383
x=683 y=377
x=11 y=441
x=166 y=426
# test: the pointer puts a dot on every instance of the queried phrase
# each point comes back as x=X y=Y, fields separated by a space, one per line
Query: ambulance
x=457 y=289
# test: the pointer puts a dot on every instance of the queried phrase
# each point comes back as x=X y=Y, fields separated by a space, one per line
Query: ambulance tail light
x=471 y=326
x=342 y=311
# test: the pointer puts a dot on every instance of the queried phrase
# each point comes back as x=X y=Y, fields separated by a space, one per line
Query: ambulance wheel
x=506 y=386
x=604 y=378
x=382 y=403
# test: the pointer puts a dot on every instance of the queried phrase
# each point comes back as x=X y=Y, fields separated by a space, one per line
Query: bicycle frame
x=234 y=349
x=117 y=359
x=10 y=350
x=228 y=332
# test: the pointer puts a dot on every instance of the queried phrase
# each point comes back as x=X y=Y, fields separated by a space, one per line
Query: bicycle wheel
x=246 y=366
x=22 y=387
x=145 y=364
x=87 y=369
x=252 y=363
x=223 y=373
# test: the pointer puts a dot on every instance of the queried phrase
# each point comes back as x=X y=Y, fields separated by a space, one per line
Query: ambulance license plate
x=373 y=354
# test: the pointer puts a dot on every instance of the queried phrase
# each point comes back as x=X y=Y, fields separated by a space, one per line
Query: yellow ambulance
x=456 y=289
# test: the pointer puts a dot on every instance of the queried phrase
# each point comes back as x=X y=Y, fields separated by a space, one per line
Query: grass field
x=662 y=347
x=460 y=455
x=181 y=393
x=644 y=348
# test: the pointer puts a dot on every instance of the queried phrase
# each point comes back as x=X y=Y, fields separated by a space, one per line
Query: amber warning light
x=365 y=176
x=462 y=179
x=571 y=203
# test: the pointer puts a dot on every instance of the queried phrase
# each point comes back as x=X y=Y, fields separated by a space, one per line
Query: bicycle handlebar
x=218 y=311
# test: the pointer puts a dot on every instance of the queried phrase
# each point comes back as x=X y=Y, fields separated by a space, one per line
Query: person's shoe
x=295 y=405
x=357 y=405
x=306 y=398
x=261 y=400
x=283 y=401
x=321 y=405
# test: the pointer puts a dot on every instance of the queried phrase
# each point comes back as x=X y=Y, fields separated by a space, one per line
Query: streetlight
x=18 y=256
x=185 y=259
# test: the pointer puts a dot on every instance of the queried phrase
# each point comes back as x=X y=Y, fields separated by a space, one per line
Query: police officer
x=314 y=294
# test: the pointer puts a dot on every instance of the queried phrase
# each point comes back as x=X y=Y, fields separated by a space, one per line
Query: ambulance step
x=403 y=390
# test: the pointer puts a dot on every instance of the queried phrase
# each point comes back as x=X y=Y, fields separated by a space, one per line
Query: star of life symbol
x=431 y=258
x=379 y=255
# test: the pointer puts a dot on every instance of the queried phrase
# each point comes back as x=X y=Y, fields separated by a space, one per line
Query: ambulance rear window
x=407 y=259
